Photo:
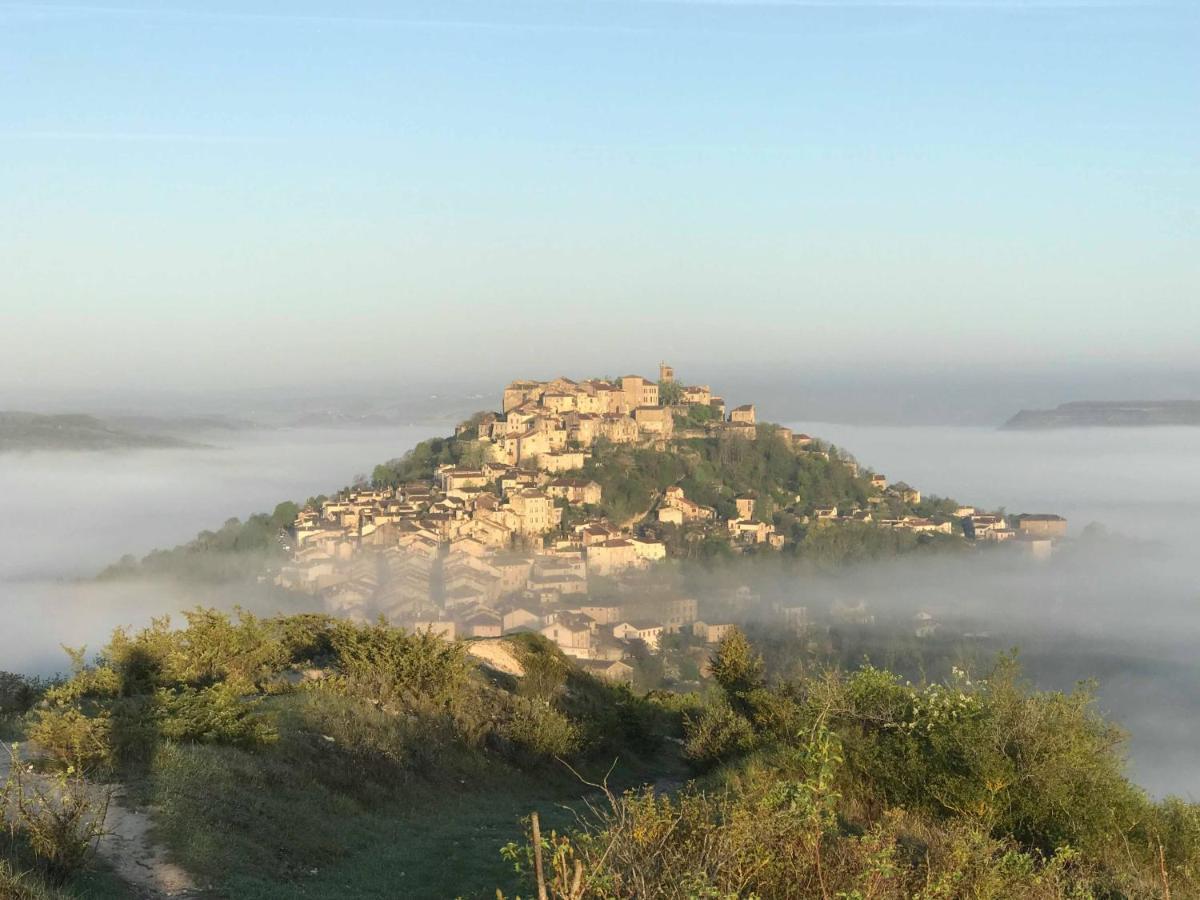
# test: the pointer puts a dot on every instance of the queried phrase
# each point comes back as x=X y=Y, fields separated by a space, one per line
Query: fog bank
x=68 y=515
x=71 y=514
x=1124 y=611
x=1140 y=482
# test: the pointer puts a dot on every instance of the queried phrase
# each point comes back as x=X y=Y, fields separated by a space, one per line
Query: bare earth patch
x=128 y=849
x=498 y=655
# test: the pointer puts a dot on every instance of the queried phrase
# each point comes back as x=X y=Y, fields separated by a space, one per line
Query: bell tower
x=666 y=374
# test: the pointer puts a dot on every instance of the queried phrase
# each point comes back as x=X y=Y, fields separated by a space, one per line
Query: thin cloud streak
x=933 y=5
x=130 y=137
x=135 y=12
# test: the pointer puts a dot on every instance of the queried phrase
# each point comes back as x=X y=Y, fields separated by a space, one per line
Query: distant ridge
x=1108 y=414
x=25 y=431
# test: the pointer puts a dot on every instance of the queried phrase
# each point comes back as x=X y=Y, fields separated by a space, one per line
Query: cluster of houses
x=555 y=423
x=675 y=508
x=411 y=554
x=481 y=550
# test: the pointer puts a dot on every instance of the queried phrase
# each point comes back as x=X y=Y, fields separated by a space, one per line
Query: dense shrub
x=18 y=693
x=779 y=839
x=536 y=731
x=1018 y=793
x=386 y=701
x=396 y=667
x=421 y=462
x=212 y=715
x=717 y=735
x=72 y=738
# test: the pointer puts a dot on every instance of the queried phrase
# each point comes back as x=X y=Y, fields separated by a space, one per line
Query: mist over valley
x=70 y=515
x=1118 y=603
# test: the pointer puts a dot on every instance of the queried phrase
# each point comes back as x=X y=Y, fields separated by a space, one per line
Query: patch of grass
x=20 y=880
x=266 y=827
x=348 y=804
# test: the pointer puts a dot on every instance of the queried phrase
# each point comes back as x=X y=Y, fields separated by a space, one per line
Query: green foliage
x=216 y=715
x=398 y=668
x=190 y=684
x=1015 y=787
x=18 y=693
x=829 y=785
x=697 y=416
x=630 y=478
x=859 y=786
x=936 y=507
x=16 y=885
x=718 y=735
x=73 y=738
x=421 y=462
x=669 y=393
x=546 y=667
x=60 y=818
x=737 y=668
x=1040 y=767
x=789 y=484
x=537 y=731
x=249 y=736
x=846 y=543
x=236 y=551
x=781 y=839
x=605 y=719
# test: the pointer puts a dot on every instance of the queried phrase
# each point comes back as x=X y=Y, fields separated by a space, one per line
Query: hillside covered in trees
x=27 y=432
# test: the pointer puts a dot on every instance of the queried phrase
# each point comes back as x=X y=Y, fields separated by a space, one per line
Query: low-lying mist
x=69 y=515
x=1139 y=482
x=1123 y=608
x=42 y=617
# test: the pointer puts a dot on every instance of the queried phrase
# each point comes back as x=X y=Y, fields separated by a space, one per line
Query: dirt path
x=136 y=859
x=126 y=846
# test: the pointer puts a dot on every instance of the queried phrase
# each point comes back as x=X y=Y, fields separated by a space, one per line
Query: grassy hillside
x=278 y=755
x=303 y=757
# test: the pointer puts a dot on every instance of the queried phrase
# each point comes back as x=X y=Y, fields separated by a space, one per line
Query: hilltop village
x=508 y=526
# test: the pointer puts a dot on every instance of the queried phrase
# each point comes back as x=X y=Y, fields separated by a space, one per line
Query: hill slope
x=22 y=431
x=1108 y=414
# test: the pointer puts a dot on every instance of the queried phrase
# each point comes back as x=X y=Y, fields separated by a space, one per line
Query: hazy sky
x=224 y=194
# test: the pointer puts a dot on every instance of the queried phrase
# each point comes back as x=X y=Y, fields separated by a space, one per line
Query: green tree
x=669 y=393
x=735 y=665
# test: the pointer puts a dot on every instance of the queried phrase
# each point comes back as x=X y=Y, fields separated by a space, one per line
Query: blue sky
x=222 y=194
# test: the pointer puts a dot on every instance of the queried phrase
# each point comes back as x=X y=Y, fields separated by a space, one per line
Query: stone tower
x=666 y=373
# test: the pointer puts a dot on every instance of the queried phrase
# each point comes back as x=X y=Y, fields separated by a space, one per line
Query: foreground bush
x=211 y=681
x=859 y=786
x=59 y=818
x=19 y=693
x=777 y=843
